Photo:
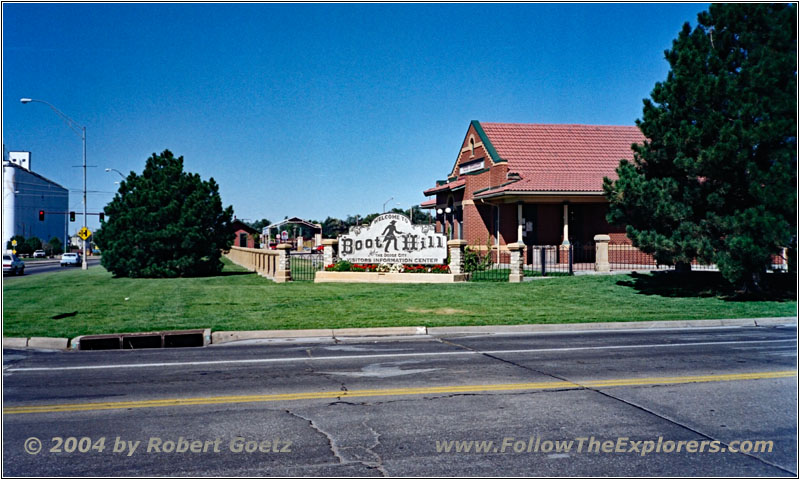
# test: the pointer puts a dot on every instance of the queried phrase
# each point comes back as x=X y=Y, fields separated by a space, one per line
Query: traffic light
x=102 y=216
x=71 y=216
x=41 y=215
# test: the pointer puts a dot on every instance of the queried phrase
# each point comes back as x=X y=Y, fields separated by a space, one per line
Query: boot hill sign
x=392 y=238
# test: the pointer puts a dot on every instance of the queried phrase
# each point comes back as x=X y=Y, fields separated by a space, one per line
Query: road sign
x=84 y=233
x=14 y=244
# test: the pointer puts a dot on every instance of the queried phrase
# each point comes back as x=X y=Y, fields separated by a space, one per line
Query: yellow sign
x=13 y=243
x=84 y=233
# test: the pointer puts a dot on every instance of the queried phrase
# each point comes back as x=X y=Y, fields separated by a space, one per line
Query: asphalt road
x=633 y=403
x=45 y=266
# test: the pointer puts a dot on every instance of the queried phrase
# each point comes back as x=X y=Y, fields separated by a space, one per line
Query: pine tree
x=165 y=223
x=716 y=178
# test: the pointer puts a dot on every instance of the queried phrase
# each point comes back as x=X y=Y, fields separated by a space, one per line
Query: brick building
x=531 y=183
x=245 y=234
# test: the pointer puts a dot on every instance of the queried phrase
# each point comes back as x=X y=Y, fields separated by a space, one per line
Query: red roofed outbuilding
x=532 y=183
x=244 y=234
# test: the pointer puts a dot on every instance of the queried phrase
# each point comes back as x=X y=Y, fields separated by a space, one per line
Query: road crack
x=331 y=441
x=353 y=449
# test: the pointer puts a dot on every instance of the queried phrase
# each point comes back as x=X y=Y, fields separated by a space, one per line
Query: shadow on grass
x=778 y=287
x=228 y=273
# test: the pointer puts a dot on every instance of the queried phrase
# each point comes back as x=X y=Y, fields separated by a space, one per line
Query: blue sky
x=314 y=110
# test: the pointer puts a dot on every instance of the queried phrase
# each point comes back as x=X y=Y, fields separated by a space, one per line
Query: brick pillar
x=330 y=251
x=601 y=253
x=284 y=273
x=456 y=255
x=516 y=250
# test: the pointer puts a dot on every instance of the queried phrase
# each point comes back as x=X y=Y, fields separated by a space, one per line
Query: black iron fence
x=623 y=256
x=305 y=265
x=538 y=260
x=555 y=260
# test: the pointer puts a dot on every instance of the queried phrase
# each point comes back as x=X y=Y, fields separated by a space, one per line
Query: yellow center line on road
x=444 y=389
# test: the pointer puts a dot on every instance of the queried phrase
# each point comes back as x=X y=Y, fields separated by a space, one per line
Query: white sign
x=392 y=238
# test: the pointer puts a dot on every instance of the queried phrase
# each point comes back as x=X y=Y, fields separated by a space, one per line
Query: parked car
x=73 y=259
x=12 y=265
x=39 y=254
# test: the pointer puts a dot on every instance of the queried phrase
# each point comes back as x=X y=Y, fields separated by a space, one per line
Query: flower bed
x=343 y=266
x=384 y=273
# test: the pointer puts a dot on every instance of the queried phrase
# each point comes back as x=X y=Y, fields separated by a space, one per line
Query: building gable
x=477 y=152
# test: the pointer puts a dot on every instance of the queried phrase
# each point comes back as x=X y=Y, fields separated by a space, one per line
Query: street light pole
x=384 y=204
x=115 y=170
x=80 y=130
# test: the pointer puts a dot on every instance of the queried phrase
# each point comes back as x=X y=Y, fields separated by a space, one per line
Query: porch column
x=566 y=224
x=520 y=225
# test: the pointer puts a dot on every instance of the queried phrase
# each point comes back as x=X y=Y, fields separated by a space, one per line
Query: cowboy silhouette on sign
x=388 y=233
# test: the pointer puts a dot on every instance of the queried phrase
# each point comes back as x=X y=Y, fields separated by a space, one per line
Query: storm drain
x=138 y=341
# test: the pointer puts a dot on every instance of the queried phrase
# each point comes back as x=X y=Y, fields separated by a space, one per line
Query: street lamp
x=80 y=130
x=384 y=204
x=444 y=214
x=115 y=170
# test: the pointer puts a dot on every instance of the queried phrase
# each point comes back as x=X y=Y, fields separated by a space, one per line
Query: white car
x=68 y=259
x=13 y=265
x=39 y=254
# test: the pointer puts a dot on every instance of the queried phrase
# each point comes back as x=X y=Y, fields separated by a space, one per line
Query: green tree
x=716 y=178
x=34 y=243
x=259 y=224
x=165 y=223
x=54 y=246
x=20 y=244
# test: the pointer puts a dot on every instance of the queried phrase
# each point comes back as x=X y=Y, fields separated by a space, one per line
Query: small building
x=535 y=184
x=25 y=194
x=245 y=235
x=296 y=231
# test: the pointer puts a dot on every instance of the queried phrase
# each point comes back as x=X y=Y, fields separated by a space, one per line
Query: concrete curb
x=233 y=336
x=576 y=327
x=379 y=331
x=48 y=343
x=15 y=342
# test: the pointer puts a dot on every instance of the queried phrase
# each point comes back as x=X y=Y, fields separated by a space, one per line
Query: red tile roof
x=447 y=186
x=560 y=158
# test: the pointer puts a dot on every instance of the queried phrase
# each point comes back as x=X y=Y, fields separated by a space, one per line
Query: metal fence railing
x=538 y=260
x=554 y=260
x=623 y=256
x=305 y=265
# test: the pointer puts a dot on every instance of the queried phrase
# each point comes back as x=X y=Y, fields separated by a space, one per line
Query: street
x=32 y=268
x=670 y=402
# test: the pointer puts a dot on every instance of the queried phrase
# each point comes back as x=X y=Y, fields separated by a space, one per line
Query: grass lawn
x=67 y=304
